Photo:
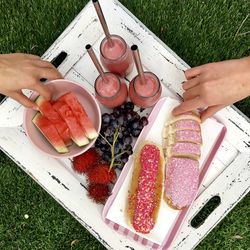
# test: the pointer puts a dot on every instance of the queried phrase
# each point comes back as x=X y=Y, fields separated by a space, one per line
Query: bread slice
x=183 y=149
x=186 y=116
x=181 y=183
x=185 y=136
x=183 y=125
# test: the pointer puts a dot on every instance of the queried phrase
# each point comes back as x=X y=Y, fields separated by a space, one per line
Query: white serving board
x=229 y=179
x=115 y=207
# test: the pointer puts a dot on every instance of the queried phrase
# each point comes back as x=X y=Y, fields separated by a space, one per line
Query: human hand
x=213 y=86
x=24 y=71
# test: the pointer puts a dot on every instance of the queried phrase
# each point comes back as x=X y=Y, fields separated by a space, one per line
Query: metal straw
x=95 y=60
x=103 y=21
x=138 y=63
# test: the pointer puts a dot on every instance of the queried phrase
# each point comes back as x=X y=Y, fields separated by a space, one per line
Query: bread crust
x=158 y=190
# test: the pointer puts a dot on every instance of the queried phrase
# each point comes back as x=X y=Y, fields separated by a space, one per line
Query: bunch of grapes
x=118 y=130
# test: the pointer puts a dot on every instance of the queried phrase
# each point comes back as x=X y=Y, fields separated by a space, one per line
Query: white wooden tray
x=230 y=171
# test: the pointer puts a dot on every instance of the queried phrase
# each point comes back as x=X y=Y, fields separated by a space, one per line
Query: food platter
x=166 y=227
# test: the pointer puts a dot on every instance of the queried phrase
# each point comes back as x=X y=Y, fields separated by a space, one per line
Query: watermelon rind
x=45 y=107
x=58 y=145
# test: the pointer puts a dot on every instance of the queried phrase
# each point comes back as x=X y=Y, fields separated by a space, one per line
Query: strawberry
x=101 y=174
x=82 y=163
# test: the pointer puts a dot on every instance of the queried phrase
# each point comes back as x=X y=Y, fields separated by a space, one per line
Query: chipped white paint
x=229 y=177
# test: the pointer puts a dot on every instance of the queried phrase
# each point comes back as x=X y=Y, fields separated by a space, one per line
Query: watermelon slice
x=50 y=132
x=80 y=114
x=47 y=110
x=77 y=133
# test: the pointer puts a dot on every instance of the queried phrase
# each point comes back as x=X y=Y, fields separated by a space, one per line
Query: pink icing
x=185 y=148
x=188 y=136
x=145 y=200
x=182 y=179
x=187 y=124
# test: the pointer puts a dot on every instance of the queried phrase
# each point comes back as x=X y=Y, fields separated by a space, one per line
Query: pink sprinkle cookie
x=184 y=149
x=145 y=199
x=181 y=183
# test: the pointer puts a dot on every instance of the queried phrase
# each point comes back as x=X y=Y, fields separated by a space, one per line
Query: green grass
x=198 y=31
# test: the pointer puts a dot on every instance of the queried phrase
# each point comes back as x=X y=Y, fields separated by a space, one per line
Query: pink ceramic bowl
x=88 y=101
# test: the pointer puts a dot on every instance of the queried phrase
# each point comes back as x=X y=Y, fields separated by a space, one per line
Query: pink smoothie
x=116 y=58
x=110 y=92
x=145 y=95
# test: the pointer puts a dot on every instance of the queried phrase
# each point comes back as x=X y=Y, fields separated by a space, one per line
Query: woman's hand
x=213 y=86
x=23 y=71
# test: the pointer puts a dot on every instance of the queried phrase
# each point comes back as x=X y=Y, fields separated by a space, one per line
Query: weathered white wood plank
x=84 y=29
x=214 y=170
x=226 y=153
x=238 y=128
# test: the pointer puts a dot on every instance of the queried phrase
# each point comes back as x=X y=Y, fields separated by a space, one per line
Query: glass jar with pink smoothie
x=110 y=91
x=145 y=94
x=116 y=56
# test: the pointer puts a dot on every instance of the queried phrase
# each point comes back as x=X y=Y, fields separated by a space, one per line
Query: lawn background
x=198 y=31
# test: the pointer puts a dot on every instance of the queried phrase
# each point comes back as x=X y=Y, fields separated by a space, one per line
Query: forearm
x=247 y=83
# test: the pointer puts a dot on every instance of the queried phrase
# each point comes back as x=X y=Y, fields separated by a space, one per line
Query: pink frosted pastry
x=146 y=188
x=181 y=125
x=186 y=116
x=186 y=125
x=186 y=136
x=181 y=183
x=184 y=149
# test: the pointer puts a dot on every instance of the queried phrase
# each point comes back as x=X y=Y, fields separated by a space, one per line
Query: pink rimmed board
x=169 y=221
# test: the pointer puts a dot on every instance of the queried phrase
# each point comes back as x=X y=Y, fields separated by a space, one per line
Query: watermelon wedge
x=80 y=114
x=47 y=110
x=77 y=133
x=50 y=132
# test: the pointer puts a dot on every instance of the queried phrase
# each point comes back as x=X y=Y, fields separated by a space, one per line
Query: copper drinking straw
x=103 y=21
x=138 y=63
x=95 y=60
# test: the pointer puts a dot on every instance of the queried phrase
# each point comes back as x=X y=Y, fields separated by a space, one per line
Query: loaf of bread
x=146 y=187
x=182 y=140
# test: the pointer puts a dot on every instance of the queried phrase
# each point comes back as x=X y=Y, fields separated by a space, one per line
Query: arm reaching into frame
x=214 y=86
x=23 y=71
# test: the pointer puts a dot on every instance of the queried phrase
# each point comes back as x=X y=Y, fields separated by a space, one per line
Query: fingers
x=24 y=100
x=191 y=93
x=50 y=74
x=43 y=90
x=43 y=64
x=210 y=111
x=193 y=72
x=30 y=56
x=188 y=106
x=45 y=73
x=191 y=83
